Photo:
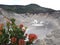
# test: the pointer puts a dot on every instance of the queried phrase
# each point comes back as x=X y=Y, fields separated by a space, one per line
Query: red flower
x=21 y=42
x=13 y=40
x=1 y=27
x=32 y=37
x=21 y=25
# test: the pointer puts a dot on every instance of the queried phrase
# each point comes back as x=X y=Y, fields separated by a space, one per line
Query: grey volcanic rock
x=54 y=38
x=56 y=33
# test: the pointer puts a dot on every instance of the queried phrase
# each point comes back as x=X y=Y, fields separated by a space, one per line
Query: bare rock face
x=56 y=33
x=53 y=38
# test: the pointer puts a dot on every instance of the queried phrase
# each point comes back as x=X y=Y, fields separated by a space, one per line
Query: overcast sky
x=54 y=4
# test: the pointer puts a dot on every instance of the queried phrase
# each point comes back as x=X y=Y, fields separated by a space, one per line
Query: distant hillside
x=32 y=8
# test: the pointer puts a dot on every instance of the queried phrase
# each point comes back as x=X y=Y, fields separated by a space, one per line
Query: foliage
x=14 y=35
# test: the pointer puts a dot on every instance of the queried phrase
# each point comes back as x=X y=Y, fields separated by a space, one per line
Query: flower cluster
x=32 y=37
x=14 y=35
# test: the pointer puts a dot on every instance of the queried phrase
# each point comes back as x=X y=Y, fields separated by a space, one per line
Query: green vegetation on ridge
x=32 y=8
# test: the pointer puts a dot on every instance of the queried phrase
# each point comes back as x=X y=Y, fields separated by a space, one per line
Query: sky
x=54 y=4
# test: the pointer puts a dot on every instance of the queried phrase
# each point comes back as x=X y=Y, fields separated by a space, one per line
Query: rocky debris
x=53 y=38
